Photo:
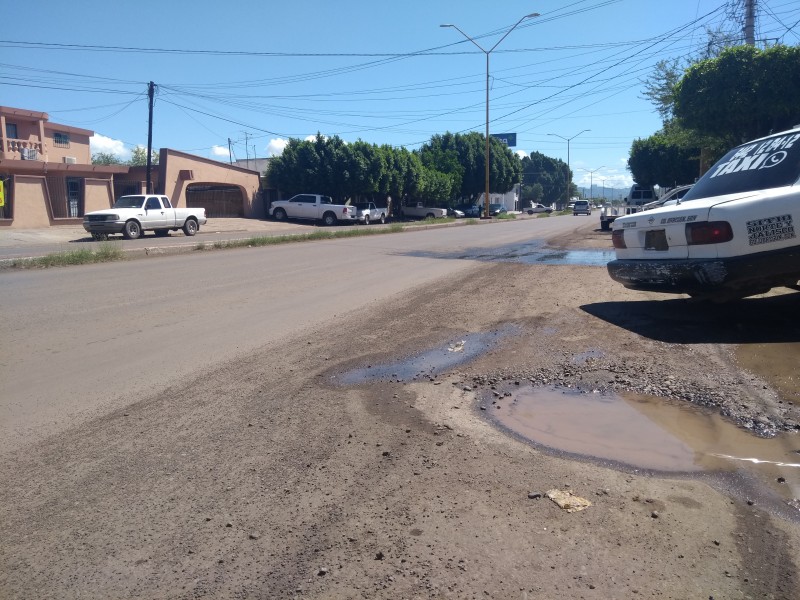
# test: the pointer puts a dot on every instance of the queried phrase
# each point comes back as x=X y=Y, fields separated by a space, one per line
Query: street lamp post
x=486 y=214
x=604 y=191
x=566 y=194
x=592 y=172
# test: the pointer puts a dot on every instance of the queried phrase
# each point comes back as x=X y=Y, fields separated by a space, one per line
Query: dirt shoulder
x=267 y=479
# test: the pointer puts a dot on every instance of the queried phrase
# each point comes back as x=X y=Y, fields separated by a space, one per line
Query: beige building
x=48 y=178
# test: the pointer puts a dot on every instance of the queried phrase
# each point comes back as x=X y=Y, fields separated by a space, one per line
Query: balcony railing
x=25 y=149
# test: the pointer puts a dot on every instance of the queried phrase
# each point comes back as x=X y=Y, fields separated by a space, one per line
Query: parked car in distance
x=639 y=195
x=369 y=213
x=420 y=211
x=539 y=208
x=315 y=207
x=470 y=210
x=581 y=207
x=497 y=209
x=133 y=215
x=731 y=236
x=670 y=198
x=455 y=212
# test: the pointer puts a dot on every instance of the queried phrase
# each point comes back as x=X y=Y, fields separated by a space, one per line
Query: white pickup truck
x=315 y=207
x=731 y=236
x=133 y=215
x=421 y=211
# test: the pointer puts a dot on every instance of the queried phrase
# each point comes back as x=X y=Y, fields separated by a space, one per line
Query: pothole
x=429 y=363
x=648 y=433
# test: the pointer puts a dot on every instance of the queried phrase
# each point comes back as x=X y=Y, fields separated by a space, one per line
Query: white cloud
x=276 y=146
x=101 y=143
x=220 y=151
x=521 y=153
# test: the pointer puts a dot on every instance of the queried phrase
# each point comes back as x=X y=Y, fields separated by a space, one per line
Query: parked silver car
x=581 y=207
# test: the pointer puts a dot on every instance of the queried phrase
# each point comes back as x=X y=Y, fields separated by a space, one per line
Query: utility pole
x=750 y=22
x=246 y=149
x=230 y=152
x=151 y=89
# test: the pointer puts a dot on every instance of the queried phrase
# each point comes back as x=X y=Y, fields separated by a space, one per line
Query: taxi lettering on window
x=763 y=155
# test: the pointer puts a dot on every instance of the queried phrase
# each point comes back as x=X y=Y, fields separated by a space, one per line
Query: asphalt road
x=84 y=340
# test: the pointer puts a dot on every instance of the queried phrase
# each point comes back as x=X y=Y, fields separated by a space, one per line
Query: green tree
x=531 y=194
x=139 y=157
x=742 y=94
x=435 y=188
x=550 y=173
x=464 y=157
x=665 y=160
x=659 y=88
x=106 y=159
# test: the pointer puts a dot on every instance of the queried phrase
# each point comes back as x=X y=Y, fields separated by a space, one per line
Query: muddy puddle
x=429 y=363
x=775 y=362
x=535 y=252
x=652 y=434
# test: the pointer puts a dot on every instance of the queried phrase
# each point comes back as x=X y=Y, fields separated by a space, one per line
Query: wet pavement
x=534 y=252
x=428 y=363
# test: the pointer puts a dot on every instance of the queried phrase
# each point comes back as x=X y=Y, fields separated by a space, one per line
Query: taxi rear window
x=769 y=163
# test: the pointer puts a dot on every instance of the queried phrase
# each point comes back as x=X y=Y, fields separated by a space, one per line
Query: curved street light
x=592 y=172
x=486 y=214
x=566 y=200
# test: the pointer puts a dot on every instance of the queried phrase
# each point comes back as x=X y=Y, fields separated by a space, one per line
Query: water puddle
x=649 y=433
x=431 y=362
x=535 y=252
x=775 y=362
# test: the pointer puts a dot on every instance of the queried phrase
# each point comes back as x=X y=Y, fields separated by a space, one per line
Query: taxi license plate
x=655 y=240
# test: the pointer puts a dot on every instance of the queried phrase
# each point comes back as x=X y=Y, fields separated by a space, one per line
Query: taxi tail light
x=618 y=238
x=708 y=232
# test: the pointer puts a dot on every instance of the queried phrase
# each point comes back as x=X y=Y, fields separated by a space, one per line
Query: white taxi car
x=732 y=235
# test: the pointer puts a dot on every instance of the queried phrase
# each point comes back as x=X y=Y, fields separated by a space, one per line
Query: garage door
x=218 y=200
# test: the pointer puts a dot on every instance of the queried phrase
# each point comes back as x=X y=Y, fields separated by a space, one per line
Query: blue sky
x=258 y=73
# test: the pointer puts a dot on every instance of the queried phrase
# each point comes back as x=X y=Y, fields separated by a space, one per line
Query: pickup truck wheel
x=430 y=216
x=132 y=230
x=366 y=219
x=329 y=219
x=383 y=219
x=190 y=227
x=279 y=214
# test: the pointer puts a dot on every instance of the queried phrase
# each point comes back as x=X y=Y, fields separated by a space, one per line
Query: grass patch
x=506 y=216
x=304 y=237
x=107 y=252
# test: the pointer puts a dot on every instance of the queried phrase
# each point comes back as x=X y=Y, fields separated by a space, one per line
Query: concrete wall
x=98 y=194
x=78 y=145
x=175 y=167
x=30 y=212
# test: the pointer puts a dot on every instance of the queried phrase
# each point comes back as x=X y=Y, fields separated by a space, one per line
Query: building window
x=11 y=131
x=61 y=140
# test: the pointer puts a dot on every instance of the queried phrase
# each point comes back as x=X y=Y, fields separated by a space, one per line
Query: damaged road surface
x=203 y=445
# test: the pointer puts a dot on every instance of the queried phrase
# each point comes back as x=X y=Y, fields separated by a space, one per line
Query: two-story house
x=48 y=177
